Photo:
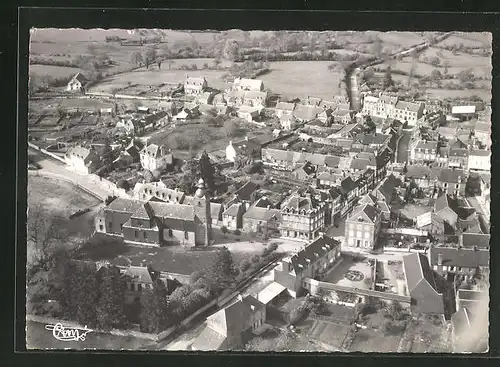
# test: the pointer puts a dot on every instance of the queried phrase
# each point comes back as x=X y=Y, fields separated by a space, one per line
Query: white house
x=287 y=122
x=479 y=160
x=248 y=84
x=248 y=113
x=195 y=86
x=76 y=83
x=82 y=160
x=155 y=157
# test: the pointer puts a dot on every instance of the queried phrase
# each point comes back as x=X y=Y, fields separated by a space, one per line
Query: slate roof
x=248 y=144
x=360 y=164
x=451 y=175
x=365 y=211
x=246 y=191
x=479 y=240
x=368 y=199
x=124 y=205
x=252 y=84
x=480 y=153
x=419 y=278
x=172 y=210
x=259 y=211
x=195 y=80
x=431 y=145
x=299 y=202
x=208 y=340
x=215 y=210
x=233 y=210
x=152 y=150
x=410 y=106
x=460 y=257
x=418 y=171
x=388 y=99
x=313 y=252
x=254 y=94
x=388 y=186
x=347 y=185
x=80 y=77
x=139 y=273
x=373 y=139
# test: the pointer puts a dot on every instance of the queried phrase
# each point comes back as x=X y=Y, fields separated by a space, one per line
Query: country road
x=56 y=168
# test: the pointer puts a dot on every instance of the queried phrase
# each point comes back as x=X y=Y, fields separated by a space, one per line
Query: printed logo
x=67 y=334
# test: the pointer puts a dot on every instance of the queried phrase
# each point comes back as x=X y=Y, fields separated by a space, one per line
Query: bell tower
x=203 y=217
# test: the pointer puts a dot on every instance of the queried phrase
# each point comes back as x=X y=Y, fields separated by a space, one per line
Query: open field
x=173 y=259
x=484 y=94
x=156 y=77
x=295 y=78
x=468 y=39
x=54 y=71
x=89 y=103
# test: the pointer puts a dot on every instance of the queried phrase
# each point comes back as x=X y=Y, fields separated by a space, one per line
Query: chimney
x=440 y=259
x=240 y=298
x=246 y=138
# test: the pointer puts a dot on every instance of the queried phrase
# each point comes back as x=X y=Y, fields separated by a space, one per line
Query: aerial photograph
x=258 y=191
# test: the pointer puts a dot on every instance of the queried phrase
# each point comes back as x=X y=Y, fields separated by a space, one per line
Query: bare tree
x=44 y=232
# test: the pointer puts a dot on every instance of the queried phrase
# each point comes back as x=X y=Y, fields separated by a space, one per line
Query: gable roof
x=139 y=273
x=366 y=212
x=418 y=171
x=298 y=202
x=209 y=340
x=463 y=109
x=124 y=205
x=233 y=210
x=347 y=185
x=172 y=210
x=252 y=84
x=410 y=106
x=388 y=186
x=285 y=106
x=246 y=191
x=451 y=175
x=388 y=99
x=312 y=252
x=460 y=257
x=479 y=240
x=80 y=77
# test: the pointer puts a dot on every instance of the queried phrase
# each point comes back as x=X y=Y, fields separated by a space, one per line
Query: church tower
x=203 y=217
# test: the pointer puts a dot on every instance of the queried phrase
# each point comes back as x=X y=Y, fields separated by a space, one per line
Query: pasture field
x=157 y=77
x=53 y=71
x=302 y=78
x=401 y=39
x=468 y=39
x=484 y=94
x=84 y=103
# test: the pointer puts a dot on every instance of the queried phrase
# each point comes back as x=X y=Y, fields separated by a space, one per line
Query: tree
x=207 y=171
x=150 y=56
x=148 y=175
x=370 y=125
x=217 y=62
x=446 y=66
x=230 y=128
x=435 y=75
x=111 y=306
x=388 y=82
x=435 y=61
x=395 y=310
x=221 y=271
x=376 y=48
x=466 y=75
x=224 y=230
x=87 y=295
x=245 y=265
x=158 y=62
x=231 y=50
x=123 y=184
x=44 y=232
x=155 y=308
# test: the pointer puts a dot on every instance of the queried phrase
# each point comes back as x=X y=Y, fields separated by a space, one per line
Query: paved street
x=52 y=166
x=402 y=151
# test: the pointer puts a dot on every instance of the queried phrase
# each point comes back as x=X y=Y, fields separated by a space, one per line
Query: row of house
x=390 y=106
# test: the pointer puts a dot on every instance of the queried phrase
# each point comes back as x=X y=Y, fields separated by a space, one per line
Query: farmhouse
x=262 y=218
x=76 y=83
x=452 y=181
x=246 y=147
x=232 y=217
x=284 y=109
x=454 y=260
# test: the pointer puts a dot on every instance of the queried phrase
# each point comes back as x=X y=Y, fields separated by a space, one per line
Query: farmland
x=157 y=77
x=296 y=78
x=51 y=70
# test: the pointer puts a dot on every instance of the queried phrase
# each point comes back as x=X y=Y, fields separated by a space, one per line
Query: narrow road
x=480 y=209
x=54 y=167
x=402 y=149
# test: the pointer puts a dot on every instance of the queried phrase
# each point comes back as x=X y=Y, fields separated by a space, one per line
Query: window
x=170 y=233
x=366 y=243
x=186 y=235
x=457 y=186
x=136 y=234
x=121 y=225
x=139 y=287
x=145 y=235
x=110 y=225
x=101 y=228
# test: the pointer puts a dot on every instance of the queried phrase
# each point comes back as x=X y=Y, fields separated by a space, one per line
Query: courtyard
x=351 y=273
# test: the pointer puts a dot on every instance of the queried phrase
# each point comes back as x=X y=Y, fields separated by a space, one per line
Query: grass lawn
x=51 y=70
x=169 y=259
x=295 y=78
x=468 y=39
x=157 y=77
x=369 y=340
